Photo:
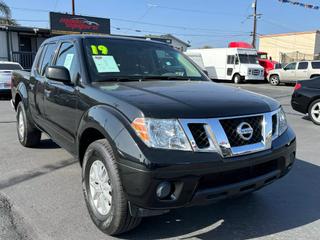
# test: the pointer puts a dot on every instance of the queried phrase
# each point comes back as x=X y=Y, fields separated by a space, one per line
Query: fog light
x=164 y=190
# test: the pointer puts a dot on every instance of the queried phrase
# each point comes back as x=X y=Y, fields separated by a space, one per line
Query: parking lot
x=44 y=187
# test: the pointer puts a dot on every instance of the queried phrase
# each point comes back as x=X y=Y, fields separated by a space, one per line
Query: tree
x=206 y=46
x=5 y=14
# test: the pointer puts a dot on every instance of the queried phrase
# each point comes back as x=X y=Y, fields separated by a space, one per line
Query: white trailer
x=237 y=64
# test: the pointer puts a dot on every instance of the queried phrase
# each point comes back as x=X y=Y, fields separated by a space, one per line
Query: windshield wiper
x=145 y=78
x=181 y=78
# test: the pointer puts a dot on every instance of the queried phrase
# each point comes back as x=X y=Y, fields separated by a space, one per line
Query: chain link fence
x=297 y=56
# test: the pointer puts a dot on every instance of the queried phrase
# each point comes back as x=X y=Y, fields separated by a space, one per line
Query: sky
x=212 y=23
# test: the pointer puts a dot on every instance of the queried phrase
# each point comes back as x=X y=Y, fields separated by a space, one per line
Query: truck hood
x=183 y=99
x=252 y=66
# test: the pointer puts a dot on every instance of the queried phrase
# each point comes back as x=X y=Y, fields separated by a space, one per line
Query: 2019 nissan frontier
x=150 y=130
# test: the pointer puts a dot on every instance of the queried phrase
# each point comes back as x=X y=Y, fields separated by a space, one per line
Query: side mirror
x=206 y=72
x=58 y=73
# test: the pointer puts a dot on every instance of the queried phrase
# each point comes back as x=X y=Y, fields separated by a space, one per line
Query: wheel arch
x=315 y=98
x=97 y=123
x=274 y=74
x=314 y=75
x=21 y=95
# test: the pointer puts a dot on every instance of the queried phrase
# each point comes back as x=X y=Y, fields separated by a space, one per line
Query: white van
x=236 y=64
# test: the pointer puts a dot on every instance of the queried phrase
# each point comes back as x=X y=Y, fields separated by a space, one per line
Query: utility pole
x=254 y=33
x=73 y=8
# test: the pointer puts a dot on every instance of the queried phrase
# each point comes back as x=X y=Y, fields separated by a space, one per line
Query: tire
x=113 y=216
x=314 y=112
x=236 y=78
x=274 y=80
x=28 y=134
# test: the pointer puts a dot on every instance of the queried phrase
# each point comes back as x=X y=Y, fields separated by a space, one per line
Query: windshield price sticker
x=100 y=49
x=105 y=64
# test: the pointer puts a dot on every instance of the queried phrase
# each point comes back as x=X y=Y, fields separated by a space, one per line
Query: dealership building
x=289 y=47
x=20 y=44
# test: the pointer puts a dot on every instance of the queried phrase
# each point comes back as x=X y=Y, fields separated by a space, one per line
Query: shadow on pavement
x=47 y=144
x=25 y=176
x=289 y=203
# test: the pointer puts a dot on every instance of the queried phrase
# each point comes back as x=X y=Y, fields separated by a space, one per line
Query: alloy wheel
x=100 y=187
x=21 y=126
x=315 y=112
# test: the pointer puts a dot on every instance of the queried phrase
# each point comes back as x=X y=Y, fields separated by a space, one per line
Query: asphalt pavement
x=41 y=195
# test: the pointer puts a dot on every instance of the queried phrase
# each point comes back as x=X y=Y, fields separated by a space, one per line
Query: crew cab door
x=289 y=72
x=61 y=98
x=37 y=81
x=302 y=71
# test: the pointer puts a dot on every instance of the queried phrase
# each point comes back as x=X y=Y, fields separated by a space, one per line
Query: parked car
x=306 y=98
x=6 y=69
x=235 y=64
x=294 y=71
x=149 y=139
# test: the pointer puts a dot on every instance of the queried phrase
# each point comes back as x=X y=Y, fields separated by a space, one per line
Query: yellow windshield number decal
x=99 y=49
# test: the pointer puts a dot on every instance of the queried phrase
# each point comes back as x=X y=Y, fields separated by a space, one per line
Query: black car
x=306 y=98
x=151 y=131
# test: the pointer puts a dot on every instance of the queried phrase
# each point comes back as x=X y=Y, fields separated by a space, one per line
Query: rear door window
x=302 y=65
x=315 y=65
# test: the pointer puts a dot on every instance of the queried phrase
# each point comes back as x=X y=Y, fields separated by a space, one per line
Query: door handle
x=47 y=92
x=31 y=86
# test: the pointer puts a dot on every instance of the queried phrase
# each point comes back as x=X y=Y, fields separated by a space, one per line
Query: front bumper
x=204 y=178
x=253 y=77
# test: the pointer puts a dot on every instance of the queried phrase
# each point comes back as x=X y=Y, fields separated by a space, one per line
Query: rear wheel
x=314 y=111
x=236 y=78
x=103 y=191
x=274 y=80
x=28 y=134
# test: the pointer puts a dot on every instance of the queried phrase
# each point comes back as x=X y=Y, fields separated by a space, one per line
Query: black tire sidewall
x=309 y=111
x=110 y=222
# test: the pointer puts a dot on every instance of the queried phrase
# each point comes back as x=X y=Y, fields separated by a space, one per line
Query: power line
x=192 y=10
x=143 y=23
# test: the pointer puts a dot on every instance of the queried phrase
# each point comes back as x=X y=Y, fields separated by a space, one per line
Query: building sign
x=65 y=23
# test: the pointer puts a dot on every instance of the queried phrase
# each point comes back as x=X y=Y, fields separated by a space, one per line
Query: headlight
x=161 y=133
x=282 y=122
x=249 y=71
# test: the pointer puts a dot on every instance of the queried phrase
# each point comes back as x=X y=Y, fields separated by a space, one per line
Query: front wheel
x=314 y=111
x=236 y=78
x=28 y=135
x=103 y=191
x=274 y=80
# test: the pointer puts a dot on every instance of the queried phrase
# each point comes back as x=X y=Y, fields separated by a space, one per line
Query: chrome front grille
x=200 y=135
x=230 y=128
x=256 y=72
x=220 y=134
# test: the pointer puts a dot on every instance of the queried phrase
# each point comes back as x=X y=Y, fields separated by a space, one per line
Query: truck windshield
x=248 y=58
x=263 y=56
x=111 y=59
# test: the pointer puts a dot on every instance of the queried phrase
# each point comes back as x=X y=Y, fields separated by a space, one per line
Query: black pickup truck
x=151 y=131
